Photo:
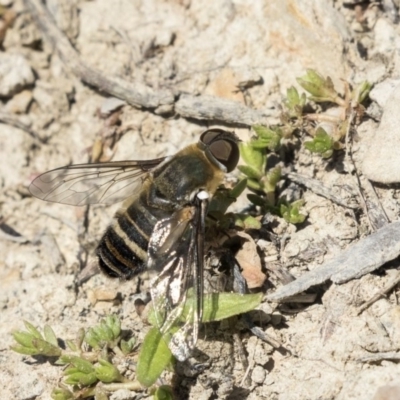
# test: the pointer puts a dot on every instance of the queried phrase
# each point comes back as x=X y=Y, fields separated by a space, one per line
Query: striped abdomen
x=122 y=251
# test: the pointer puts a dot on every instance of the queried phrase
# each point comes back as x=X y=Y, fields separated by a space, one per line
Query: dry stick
x=373 y=208
x=12 y=120
x=136 y=93
x=393 y=283
x=357 y=260
x=319 y=188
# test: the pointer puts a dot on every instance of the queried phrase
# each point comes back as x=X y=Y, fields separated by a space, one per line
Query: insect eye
x=221 y=146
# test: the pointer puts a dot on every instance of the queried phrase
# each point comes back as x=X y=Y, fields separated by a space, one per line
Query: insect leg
x=240 y=286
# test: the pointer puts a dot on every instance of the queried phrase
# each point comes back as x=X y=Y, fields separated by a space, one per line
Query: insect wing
x=97 y=183
x=174 y=253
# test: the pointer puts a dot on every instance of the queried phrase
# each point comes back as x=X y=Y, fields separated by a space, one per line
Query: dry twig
x=392 y=284
x=357 y=260
x=14 y=121
x=319 y=188
x=138 y=94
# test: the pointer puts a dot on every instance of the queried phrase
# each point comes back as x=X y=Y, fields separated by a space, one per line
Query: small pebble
x=19 y=104
x=15 y=74
x=258 y=375
x=381 y=160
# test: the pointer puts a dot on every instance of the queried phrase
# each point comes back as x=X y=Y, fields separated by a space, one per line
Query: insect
x=161 y=224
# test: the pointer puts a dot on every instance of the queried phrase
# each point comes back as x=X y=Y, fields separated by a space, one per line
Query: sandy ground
x=196 y=48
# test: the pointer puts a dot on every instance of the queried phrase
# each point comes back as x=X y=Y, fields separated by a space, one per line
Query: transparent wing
x=176 y=251
x=82 y=184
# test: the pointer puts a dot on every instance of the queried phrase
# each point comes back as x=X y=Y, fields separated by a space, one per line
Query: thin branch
x=392 y=284
x=12 y=120
x=320 y=189
x=359 y=259
x=135 y=93
x=138 y=94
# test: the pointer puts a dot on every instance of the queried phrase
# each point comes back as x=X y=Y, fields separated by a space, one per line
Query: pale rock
x=258 y=375
x=20 y=102
x=15 y=73
x=50 y=97
x=382 y=91
x=123 y=394
x=381 y=161
x=387 y=392
x=110 y=105
x=385 y=36
x=164 y=38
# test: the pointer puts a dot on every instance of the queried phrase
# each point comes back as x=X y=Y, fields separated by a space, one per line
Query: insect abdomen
x=122 y=251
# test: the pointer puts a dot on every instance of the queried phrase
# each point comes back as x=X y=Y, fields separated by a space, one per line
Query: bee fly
x=161 y=223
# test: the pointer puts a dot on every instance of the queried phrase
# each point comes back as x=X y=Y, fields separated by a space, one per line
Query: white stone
x=382 y=91
x=258 y=375
x=381 y=161
x=20 y=102
x=15 y=73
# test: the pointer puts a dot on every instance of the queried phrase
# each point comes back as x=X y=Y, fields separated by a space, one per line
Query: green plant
x=342 y=113
x=263 y=183
x=338 y=115
x=155 y=356
x=90 y=358
x=86 y=358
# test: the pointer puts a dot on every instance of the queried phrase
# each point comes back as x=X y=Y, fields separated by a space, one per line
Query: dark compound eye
x=221 y=146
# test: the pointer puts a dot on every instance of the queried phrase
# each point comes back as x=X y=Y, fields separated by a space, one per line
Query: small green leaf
x=50 y=335
x=46 y=349
x=81 y=372
x=115 y=324
x=107 y=372
x=321 y=144
x=254 y=158
x=163 y=393
x=250 y=172
x=81 y=365
x=315 y=84
x=80 y=378
x=321 y=88
x=104 y=332
x=291 y=212
x=60 y=393
x=32 y=345
x=80 y=337
x=362 y=91
x=218 y=306
x=267 y=138
x=71 y=345
x=257 y=200
x=246 y=221
x=220 y=203
x=92 y=339
x=238 y=189
x=32 y=330
x=64 y=359
x=154 y=357
x=100 y=394
x=29 y=351
x=273 y=177
x=254 y=185
x=294 y=102
x=23 y=338
x=127 y=346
